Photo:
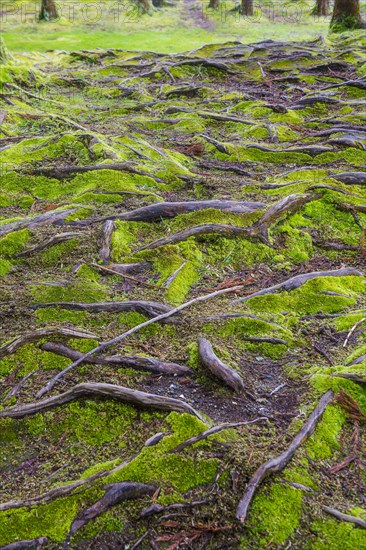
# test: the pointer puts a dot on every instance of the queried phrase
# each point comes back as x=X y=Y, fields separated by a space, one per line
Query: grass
x=86 y=26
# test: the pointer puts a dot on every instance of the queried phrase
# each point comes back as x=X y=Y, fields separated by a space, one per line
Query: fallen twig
x=212 y=431
x=352 y=330
x=149 y=364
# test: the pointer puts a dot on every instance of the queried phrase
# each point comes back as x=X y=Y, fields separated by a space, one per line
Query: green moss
x=49 y=315
x=179 y=288
x=31 y=358
x=98 y=422
x=325 y=440
x=361 y=350
x=122 y=238
x=298 y=244
x=79 y=291
x=346 y=322
x=5 y=267
x=275 y=514
x=14 y=242
x=311 y=297
x=100 y=467
x=172 y=471
x=299 y=474
x=333 y=535
x=52 y=520
x=58 y=253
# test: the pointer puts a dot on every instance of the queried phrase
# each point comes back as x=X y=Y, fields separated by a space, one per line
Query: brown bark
x=247 y=7
x=48 y=10
x=214 y=4
x=346 y=14
x=321 y=8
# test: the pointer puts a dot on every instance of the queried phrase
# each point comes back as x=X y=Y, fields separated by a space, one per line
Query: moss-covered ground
x=294 y=122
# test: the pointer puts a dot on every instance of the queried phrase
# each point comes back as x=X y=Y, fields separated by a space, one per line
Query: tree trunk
x=321 y=8
x=48 y=10
x=144 y=6
x=247 y=7
x=346 y=15
x=214 y=4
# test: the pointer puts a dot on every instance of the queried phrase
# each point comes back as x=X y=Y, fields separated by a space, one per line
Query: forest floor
x=95 y=148
x=180 y=27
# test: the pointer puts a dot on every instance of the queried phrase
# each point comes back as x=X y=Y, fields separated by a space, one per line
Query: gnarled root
x=278 y=464
x=219 y=369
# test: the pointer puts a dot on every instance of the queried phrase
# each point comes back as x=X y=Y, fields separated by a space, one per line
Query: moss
x=98 y=422
x=325 y=440
x=79 y=291
x=179 y=288
x=333 y=535
x=58 y=253
x=361 y=350
x=100 y=467
x=175 y=472
x=30 y=358
x=323 y=381
x=14 y=242
x=275 y=514
x=311 y=297
x=49 y=315
x=298 y=244
x=300 y=474
x=345 y=322
x=52 y=520
x=5 y=267
x=122 y=238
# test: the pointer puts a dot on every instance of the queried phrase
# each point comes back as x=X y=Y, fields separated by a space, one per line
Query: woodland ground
x=185 y=26
x=89 y=136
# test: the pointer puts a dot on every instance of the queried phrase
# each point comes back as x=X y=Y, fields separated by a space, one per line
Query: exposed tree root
x=213 y=228
x=57 y=239
x=157 y=211
x=151 y=309
x=219 y=369
x=26 y=544
x=359 y=360
x=105 y=251
x=257 y=231
x=345 y=517
x=135 y=362
x=351 y=178
x=299 y=280
x=36 y=335
x=312 y=150
x=53 y=217
x=115 y=494
x=111 y=391
x=126 y=334
x=212 y=431
x=356 y=378
x=279 y=463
